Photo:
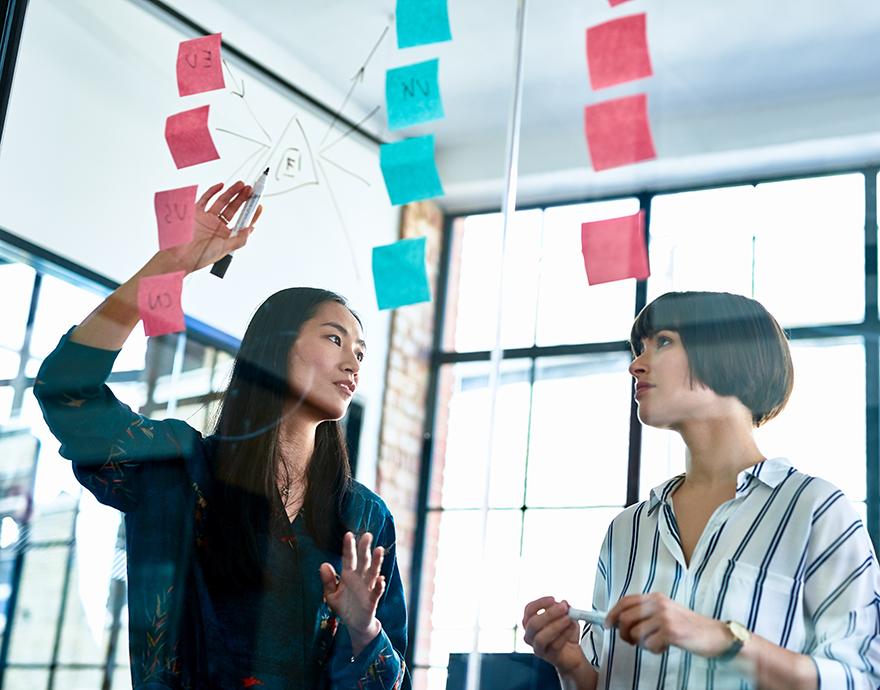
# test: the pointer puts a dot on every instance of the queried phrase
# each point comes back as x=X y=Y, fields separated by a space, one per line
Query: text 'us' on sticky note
x=615 y=249
x=189 y=138
x=175 y=215
x=617 y=51
x=199 y=65
x=399 y=274
x=159 y=303
x=618 y=132
x=409 y=170
x=412 y=94
x=420 y=22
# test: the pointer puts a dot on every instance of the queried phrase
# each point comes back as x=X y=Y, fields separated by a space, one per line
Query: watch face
x=739 y=631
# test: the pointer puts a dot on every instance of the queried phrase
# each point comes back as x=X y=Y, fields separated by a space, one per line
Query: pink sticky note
x=189 y=139
x=618 y=132
x=617 y=51
x=175 y=214
x=159 y=303
x=615 y=249
x=616 y=2
x=199 y=65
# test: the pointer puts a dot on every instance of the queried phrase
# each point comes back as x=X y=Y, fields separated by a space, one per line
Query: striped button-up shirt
x=788 y=557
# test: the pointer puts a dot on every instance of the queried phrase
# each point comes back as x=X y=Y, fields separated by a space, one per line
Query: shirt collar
x=769 y=472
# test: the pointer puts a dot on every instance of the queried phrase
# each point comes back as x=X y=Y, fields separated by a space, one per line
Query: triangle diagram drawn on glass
x=291 y=160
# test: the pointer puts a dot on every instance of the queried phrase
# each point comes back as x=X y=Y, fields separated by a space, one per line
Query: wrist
x=360 y=638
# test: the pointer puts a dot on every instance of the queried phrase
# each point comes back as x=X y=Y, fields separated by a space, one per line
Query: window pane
x=9 y=362
x=822 y=429
x=555 y=565
x=61 y=305
x=569 y=309
x=810 y=249
x=701 y=241
x=456 y=590
x=16 y=286
x=463 y=435
x=471 y=299
x=79 y=679
x=579 y=431
x=663 y=457
x=26 y=679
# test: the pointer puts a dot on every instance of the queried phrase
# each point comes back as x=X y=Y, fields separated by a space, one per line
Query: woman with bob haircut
x=741 y=572
x=254 y=559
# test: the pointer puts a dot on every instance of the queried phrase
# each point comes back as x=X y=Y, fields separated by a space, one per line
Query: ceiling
x=751 y=88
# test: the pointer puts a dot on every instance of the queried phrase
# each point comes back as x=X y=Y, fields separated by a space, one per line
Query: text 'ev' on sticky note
x=175 y=215
x=159 y=303
x=409 y=170
x=399 y=274
x=412 y=94
x=420 y=22
x=618 y=132
x=189 y=138
x=615 y=249
x=617 y=51
x=199 y=65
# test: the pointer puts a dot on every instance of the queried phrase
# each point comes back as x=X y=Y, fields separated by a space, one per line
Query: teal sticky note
x=422 y=21
x=409 y=170
x=412 y=94
x=399 y=274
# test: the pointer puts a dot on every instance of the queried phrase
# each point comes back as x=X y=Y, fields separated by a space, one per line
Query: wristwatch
x=740 y=634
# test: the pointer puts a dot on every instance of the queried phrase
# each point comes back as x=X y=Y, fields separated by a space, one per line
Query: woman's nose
x=637 y=366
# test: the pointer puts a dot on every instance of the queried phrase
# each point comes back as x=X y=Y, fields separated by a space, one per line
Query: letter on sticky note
x=617 y=51
x=409 y=170
x=399 y=274
x=175 y=214
x=159 y=303
x=618 y=132
x=189 y=139
x=422 y=21
x=412 y=94
x=615 y=249
x=199 y=65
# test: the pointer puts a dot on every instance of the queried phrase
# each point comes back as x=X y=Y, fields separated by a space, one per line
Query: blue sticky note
x=399 y=274
x=422 y=21
x=409 y=170
x=412 y=94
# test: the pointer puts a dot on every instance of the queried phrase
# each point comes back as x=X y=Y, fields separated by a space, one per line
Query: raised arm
x=109 y=326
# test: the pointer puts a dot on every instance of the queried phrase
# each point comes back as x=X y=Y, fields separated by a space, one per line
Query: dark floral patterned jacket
x=182 y=632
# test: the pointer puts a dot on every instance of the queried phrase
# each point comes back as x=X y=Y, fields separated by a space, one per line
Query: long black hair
x=246 y=504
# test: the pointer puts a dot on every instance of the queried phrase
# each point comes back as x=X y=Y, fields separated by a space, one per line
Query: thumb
x=328 y=578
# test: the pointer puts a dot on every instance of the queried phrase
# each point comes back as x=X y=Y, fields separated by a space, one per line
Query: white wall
x=83 y=152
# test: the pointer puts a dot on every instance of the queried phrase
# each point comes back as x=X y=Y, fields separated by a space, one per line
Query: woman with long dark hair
x=741 y=572
x=254 y=559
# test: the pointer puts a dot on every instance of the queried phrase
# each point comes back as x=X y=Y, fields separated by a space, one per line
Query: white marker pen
x=244 y=219
x=594 y=617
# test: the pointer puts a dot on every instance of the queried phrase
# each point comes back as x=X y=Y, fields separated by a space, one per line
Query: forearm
x=112 y=321
x=771 y=667
x=584 y=677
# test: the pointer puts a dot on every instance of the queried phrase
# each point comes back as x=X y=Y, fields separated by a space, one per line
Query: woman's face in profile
x=325 y=361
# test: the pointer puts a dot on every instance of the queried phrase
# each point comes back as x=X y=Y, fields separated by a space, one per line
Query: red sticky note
x=616 y=2
x=175 y=214
x=618 y=132
x=199 y=65
x=615 y=249
x=617 y=51
x=159 y=303
x=189 y=139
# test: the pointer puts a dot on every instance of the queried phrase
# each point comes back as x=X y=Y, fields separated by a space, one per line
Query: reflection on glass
x=822 y=429
x=16 y=286
x=472 y=293
x=569 y=309
x=61 y=306
x=579 y=431
x=463 y=433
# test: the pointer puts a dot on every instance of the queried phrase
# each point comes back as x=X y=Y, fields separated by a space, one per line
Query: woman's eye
x=335 y=339
x=360 y=356
x=662 y=340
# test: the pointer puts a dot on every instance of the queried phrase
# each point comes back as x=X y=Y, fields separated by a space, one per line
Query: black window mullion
x=872 y=362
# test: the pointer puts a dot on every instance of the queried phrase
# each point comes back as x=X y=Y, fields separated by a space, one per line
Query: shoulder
x=365 y=510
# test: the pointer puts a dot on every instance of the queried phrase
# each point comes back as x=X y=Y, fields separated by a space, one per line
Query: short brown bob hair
x=734 y=346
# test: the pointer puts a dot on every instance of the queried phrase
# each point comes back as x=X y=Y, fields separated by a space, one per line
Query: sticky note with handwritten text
x=175 y=214
x=159 y=303
x=199 y=65
x=412 y=94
